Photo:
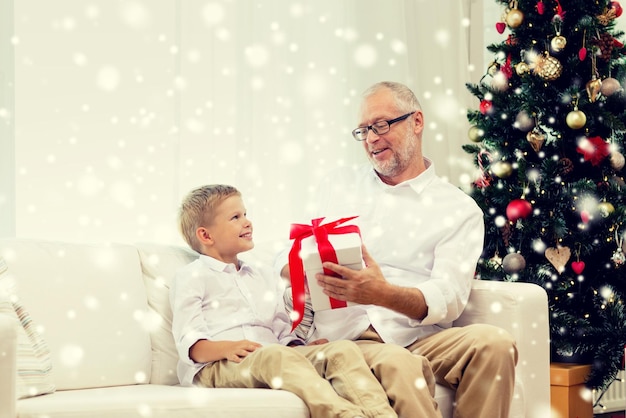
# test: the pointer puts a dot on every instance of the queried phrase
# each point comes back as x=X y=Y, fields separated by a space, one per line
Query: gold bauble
x=501 y=169
x=514 y=18
x=576 y=119
x=522 y=68
x=610 y=86
x=558 y=43
x=475 y=134
x=605 y=209
x=617 y=160
x=593 y=88
x=493 y=68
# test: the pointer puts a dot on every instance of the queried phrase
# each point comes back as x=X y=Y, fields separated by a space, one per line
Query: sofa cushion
x=159 y=264
x=96 y=334
x=159 y=401
x=32 y=352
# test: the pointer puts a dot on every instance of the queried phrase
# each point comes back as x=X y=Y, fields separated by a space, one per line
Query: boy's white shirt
x=213 y=300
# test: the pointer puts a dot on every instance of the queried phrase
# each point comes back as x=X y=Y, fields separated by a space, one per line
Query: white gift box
x=348 y=250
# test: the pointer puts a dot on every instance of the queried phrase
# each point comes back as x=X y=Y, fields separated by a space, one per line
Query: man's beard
x=399 y=162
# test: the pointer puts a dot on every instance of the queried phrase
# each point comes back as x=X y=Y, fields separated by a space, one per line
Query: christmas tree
x=547 y=137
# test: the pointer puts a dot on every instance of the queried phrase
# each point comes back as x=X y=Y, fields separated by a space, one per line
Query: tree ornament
x=495 y=261
x=483 y=180
x=558 y=257
x=582 y=52
x=536 y=137
x=475 y=134
x=522 y=68
x=618 y=256
x=513 y=263
x=576 y=119
x=605 y=209
x=594 y=149
x=617 y=160
x=514 y=16
x=486 y=106
x=616 y=7
x=593 y=88
x=518 y=209
x=557 y=44
x=610 y=13
x=578 y=266
x=501 y=169
x=605 y=43
x=523 y=121
x=547 y=67
x=500 y=27
x=610 y=86
x=541 y=7
x=493 y=68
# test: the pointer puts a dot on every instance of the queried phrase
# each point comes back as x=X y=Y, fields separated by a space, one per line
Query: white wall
x=122 y=107
x=7 y=164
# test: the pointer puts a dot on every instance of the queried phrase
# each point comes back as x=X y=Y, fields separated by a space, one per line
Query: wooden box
x=569 y=397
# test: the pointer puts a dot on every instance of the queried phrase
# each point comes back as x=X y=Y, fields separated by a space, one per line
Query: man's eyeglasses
x=379 y=128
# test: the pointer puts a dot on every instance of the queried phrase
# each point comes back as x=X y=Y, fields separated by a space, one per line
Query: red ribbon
x=327 y=253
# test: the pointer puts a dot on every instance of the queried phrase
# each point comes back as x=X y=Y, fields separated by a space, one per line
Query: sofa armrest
x=8 y=365
x=522 y=310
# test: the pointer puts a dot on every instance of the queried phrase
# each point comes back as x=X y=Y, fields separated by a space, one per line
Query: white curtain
x=120 y=108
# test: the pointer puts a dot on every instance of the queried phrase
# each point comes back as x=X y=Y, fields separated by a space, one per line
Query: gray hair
x=403 y=96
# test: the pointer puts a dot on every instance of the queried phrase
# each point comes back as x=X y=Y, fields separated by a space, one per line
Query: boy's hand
x=238 y=350
x=318 y=342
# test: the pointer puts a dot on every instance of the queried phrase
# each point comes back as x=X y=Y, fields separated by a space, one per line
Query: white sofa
x=103 y=310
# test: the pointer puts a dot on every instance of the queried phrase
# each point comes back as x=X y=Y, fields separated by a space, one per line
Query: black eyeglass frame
x=376 y=130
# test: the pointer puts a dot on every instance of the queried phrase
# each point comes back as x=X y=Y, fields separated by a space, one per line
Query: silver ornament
x=513 y=263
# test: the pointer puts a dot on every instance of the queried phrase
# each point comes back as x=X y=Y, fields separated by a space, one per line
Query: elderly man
x=422 y=238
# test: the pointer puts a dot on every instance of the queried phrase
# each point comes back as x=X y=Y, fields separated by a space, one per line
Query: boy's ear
x=204 y=236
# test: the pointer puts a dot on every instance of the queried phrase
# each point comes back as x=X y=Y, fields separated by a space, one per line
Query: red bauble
x=518 y=209
x=485 y=106
x=616 y=7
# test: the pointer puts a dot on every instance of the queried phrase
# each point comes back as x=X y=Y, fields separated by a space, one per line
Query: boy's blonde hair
x=198 y=209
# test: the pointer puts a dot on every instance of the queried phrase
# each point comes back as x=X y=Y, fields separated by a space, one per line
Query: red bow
x=327 y=253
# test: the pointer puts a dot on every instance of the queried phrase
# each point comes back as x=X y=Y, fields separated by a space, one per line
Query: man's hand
x=368 y=286
x=364 y=286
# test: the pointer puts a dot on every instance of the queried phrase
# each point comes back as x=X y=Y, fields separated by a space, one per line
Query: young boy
x=231 y=328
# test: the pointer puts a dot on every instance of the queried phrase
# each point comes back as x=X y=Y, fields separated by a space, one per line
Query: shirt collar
x=418 y=183
x=220 y=266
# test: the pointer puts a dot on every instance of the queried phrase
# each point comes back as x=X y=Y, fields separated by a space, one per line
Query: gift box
x=348 y=252
x=569 y=397
x=314 y=243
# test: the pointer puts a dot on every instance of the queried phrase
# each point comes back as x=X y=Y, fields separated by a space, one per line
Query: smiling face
x=396 y=155
x=230 y=232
